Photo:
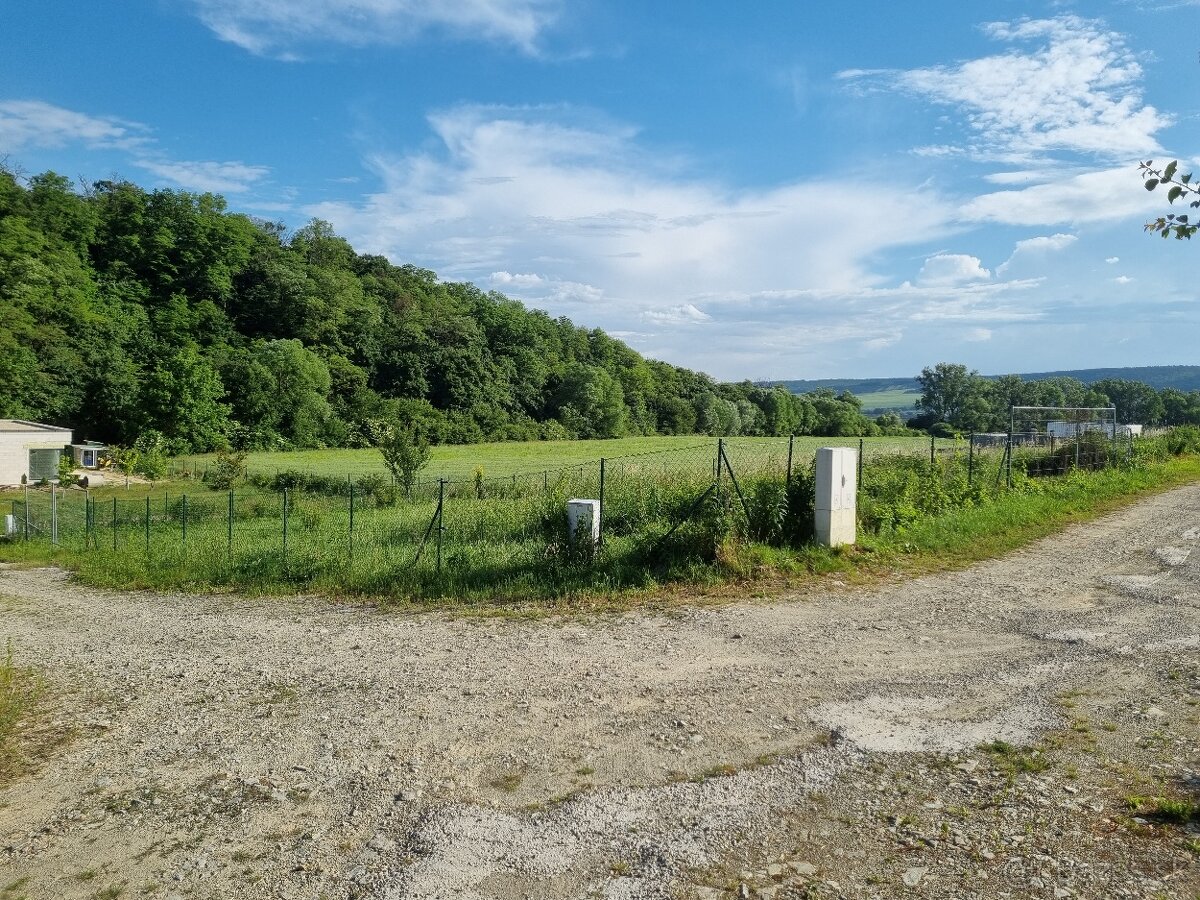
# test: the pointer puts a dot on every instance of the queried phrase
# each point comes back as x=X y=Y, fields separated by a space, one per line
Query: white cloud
x=1078 y=89
x=274 y=27
x=576 y=198
x=1091 y=197
x=35 y=124
x=539 y=290
x=218 y=177
x=1037 y=247
x=684 y=314
x=952 y=269
x=978 y=335
x=1122 y=279
x=1113 y=260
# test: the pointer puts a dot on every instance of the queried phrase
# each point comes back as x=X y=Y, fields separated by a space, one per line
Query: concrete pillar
x=836 y=512
x=583 y=520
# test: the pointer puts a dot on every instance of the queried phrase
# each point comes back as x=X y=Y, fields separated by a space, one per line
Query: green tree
x=945 y=390
x=404 y=452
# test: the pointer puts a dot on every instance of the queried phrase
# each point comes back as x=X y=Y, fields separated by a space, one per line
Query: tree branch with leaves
x=1179 y=186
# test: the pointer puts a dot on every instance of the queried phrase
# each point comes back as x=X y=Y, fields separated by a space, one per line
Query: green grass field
x=504 y=459
x=889 y=399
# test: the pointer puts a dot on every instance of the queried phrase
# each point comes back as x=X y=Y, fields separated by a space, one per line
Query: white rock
x=913 y=876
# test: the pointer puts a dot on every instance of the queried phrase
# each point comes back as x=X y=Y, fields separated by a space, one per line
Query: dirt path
x=820 y=748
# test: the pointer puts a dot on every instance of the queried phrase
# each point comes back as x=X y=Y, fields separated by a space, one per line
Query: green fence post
x=183 y=513
x=285 y=520
x=600 y=534
x=971 y=461
x=932 y=449
x=441 y=528
x=352 y=520
x=147 y=524
x=114 y=523
x=791 y=445
x=229 y=528
x=858 y=482
x=26 y=512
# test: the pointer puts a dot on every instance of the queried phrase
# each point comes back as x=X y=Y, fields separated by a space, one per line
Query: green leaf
x=1186 y=178
x=1151 y=183
x=1169 y=171
x=1174 y=194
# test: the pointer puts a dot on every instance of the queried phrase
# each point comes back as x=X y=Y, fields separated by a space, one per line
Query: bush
x=228 y=470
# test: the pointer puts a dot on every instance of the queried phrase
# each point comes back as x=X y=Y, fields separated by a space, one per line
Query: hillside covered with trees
x=125 y=311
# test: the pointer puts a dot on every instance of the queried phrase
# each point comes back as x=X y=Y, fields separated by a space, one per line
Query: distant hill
x=901 y=393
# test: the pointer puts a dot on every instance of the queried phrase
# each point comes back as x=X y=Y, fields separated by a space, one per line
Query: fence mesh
x=508 y=534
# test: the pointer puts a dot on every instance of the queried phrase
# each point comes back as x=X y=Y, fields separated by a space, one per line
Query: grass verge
x=22 y=692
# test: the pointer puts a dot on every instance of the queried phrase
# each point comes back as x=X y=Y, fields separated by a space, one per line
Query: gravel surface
x=841 y=745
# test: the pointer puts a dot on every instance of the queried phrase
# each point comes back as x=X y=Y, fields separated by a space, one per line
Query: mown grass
x=505 y=547
x=508 y=458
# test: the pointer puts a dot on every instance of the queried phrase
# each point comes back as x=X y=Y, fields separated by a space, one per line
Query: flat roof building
x=30 y=450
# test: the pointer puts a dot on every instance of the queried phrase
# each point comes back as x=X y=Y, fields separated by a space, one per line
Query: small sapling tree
x=151 y=449
x=125 y=460
x=405 y=452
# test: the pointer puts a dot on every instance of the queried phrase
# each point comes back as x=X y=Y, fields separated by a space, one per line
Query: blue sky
x=763 y=190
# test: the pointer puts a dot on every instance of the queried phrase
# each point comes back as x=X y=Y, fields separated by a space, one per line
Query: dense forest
x=125 y=312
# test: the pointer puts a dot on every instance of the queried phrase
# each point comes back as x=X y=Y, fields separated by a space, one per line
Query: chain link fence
x=661 y=513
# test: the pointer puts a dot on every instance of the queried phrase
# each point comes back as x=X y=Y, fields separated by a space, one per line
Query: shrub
x=228 y=470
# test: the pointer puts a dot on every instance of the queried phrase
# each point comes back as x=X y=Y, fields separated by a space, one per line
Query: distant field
x=897 y=399
x=461 y=461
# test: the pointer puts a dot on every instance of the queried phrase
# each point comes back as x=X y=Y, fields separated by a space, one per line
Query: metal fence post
x=285 y=523
x=858 y=481
x=229 y=528
x=720 y=456
x=114 y=523
x=26 y=512
x=184 y=515
x=932 y=449
x=440 y=524
x=352 y=520
x=53 y=516
x=791 y=445
x=971 y=461
x=147 y=524
x=600 y=534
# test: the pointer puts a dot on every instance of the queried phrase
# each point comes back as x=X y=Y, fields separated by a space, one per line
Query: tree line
x=963 y=400
x=126 y=312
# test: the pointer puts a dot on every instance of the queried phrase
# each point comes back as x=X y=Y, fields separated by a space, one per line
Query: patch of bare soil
x=1025 y=728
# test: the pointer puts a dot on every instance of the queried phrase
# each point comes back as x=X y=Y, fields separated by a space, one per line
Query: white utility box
x=837 y=490
x=10 y=525
x=583 y=519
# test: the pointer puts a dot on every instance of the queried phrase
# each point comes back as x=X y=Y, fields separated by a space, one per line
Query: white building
x=30 y=450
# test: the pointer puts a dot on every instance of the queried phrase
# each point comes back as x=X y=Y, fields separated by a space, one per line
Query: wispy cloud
x=280 y=27
x=1099 y=196
x=34 y=124
x=512 y=187
x=684 y=314
x=218 y=177
x=1077 y=88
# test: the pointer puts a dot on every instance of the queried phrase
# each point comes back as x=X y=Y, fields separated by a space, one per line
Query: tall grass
x=668 y=517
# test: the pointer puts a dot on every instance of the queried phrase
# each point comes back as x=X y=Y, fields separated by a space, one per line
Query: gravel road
x=839 y=745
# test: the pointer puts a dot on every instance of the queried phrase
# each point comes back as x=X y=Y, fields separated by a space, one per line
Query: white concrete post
x=836 y=512
x=583 y=517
